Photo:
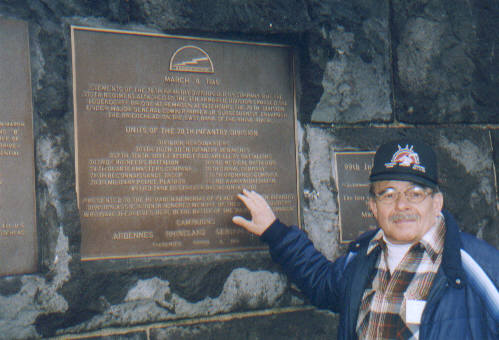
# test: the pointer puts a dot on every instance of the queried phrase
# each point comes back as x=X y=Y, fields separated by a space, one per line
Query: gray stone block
x=446 y=61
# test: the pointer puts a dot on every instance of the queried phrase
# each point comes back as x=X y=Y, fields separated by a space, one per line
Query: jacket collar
x=361 y=243
x=451 y=259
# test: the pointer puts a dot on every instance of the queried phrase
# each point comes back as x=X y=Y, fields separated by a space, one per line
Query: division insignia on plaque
x=191 y=59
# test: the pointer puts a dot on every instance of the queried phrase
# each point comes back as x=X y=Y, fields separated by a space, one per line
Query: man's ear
x=372 y=206
x=438 y=202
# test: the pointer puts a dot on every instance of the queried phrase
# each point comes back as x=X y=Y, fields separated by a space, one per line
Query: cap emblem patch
x=406 y=157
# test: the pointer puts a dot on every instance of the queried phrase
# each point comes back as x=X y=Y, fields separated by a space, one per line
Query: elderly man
x=417 y=277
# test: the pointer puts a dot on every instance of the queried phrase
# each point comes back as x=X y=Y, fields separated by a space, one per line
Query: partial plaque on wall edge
x=18 y=234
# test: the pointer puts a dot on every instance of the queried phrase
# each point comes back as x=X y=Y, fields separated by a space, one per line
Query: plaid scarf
x=392 y=304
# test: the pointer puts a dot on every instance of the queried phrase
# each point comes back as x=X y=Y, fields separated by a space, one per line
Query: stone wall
x=368 y=71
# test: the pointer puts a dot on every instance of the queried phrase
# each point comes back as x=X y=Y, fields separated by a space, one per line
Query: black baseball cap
x=405 y=160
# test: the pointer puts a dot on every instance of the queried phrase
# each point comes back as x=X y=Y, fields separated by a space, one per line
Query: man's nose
x=401 y=201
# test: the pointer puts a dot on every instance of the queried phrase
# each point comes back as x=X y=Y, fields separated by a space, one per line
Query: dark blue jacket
x=462 y=304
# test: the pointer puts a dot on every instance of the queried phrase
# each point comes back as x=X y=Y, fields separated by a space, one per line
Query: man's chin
x=402 y=237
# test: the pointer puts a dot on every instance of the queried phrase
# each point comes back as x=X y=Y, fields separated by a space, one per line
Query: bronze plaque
x=18 y=239
x=168 y=130
x=352 y=170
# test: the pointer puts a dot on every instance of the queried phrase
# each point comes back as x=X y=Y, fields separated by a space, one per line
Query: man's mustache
x=401 y=217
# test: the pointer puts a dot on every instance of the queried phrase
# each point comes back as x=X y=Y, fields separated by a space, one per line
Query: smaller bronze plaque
x=352 y=169
x=18 y=241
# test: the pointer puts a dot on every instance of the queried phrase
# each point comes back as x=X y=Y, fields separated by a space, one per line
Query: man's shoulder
x=477 y=247
x=481 y=252
x=479 y=260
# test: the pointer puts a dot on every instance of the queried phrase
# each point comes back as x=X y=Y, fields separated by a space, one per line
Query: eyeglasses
x=415 y=194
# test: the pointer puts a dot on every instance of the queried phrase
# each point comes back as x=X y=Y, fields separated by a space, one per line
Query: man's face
x=401 y=220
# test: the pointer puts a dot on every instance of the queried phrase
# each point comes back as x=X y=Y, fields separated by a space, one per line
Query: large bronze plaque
x=18 y=239
x=352 y=170
x=168 y=130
